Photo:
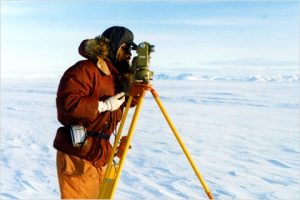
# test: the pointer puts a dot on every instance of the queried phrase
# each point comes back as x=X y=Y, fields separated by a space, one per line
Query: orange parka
x=79 y=91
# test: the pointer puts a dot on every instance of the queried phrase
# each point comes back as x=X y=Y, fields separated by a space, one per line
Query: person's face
x=123 y=57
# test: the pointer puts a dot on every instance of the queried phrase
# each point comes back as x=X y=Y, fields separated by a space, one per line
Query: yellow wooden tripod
x=113 y=170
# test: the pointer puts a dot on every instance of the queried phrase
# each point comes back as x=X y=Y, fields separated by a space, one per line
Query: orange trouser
x=78 y=178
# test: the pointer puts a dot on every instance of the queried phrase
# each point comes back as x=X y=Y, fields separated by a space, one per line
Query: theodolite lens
x=152 y=48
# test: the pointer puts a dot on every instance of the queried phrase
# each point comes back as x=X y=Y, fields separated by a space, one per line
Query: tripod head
x=141 y=63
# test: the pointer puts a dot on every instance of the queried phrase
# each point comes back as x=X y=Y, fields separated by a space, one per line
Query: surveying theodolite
x=138 y=89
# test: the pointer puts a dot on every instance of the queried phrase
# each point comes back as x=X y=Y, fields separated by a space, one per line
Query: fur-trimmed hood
x=107 y=44
x=91 y=49
x=95 y=51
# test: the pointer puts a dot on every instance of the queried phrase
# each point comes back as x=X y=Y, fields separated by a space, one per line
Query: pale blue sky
x=44 y=35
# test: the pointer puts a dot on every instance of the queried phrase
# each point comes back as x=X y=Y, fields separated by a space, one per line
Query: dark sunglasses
x=127 y=48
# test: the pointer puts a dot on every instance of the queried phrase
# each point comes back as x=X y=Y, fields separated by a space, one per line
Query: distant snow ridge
x=178 y=77
x=247 y=78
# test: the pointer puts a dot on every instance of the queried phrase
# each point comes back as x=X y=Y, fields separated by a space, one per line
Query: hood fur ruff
x=92 y=49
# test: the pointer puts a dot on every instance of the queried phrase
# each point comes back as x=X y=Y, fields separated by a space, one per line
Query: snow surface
x=240 y=126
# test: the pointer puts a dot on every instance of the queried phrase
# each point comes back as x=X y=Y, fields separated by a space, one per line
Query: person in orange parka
x=90 y=95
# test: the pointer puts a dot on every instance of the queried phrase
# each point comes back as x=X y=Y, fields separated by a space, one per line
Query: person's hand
x=112 y=103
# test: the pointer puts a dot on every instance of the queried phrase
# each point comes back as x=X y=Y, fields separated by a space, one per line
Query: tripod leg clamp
x=121 y=147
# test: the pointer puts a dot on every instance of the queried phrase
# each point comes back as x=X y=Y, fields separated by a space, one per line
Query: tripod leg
x=182 y=145
x=104 y=189
x=129 y=137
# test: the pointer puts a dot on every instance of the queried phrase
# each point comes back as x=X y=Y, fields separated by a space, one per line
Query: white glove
x=112 y=103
